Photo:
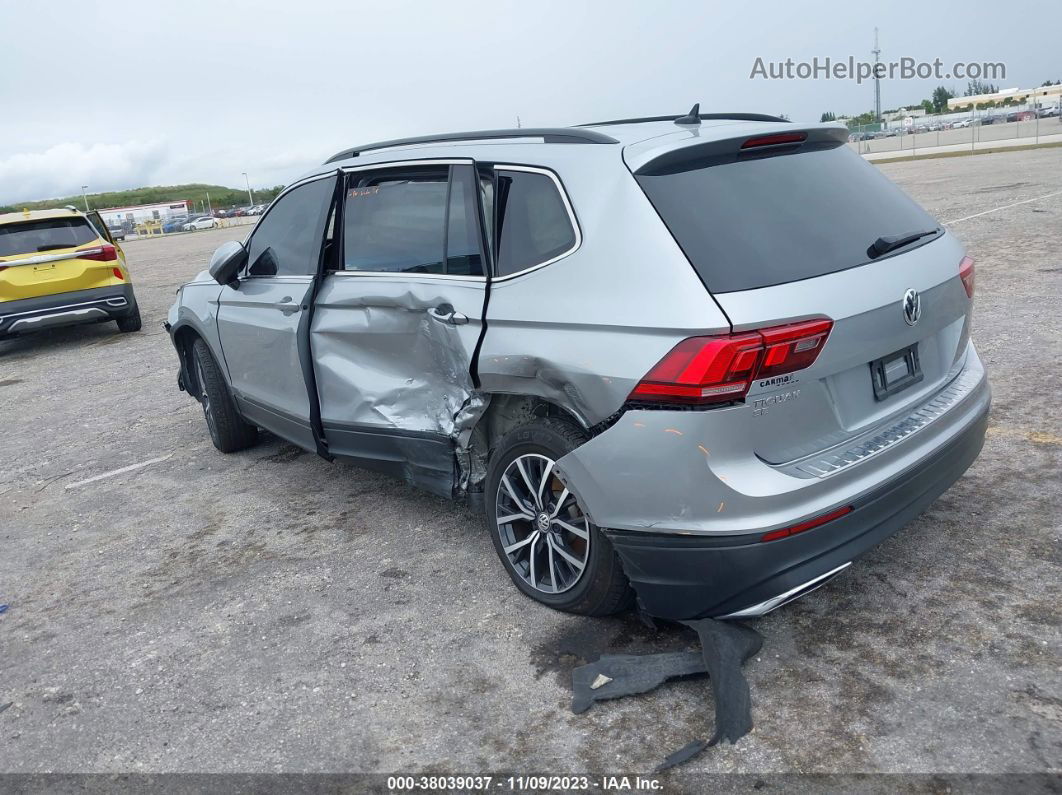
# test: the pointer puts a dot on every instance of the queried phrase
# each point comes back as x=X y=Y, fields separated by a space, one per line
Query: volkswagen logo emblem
x=912 y=307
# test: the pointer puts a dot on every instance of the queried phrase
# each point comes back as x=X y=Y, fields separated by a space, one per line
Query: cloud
x=62 y=169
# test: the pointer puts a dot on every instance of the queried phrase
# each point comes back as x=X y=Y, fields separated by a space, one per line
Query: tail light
x=118 y=274
x=103 y=253
x=705 y=370
x=966 y=273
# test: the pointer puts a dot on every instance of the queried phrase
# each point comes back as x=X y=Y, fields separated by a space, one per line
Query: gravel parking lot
x=268 y=611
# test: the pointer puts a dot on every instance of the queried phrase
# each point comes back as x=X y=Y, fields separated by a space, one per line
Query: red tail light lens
x=783 y=532
x=104 y=253
x=772 y=140
x=703 y=370
x=966 y=273
x=706 y=370
x=793 y=347
x=118 y=274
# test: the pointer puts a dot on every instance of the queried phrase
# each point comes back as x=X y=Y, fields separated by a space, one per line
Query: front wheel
x=228 y=430
x=545 y=540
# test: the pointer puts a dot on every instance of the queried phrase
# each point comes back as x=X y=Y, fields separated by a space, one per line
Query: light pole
x=84 y=196
x=250 y=195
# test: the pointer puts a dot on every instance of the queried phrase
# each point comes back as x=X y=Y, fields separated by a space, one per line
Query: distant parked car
x=175 y=224
x=961 y=123
x=206 y=222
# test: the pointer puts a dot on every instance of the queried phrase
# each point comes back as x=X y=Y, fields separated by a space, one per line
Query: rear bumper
x=683 y=576
x=63 y=309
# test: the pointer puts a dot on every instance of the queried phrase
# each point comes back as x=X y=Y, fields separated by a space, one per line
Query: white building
x=115 y=216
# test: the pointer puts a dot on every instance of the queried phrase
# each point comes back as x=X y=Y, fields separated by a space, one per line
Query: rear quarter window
x=761 y=221
x=533 y=223
x=50 y=234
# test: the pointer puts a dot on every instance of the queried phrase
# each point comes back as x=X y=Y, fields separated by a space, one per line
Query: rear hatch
x=45 y=256
x=793 y=227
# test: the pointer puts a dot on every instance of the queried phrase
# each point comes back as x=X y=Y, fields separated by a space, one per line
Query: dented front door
x=395 y=330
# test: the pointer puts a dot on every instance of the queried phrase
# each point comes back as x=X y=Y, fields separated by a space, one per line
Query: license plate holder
x=895 y=372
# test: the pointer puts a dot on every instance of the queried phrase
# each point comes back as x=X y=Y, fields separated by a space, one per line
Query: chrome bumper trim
x=117 y=302
x=54 y=318
x=783 y=598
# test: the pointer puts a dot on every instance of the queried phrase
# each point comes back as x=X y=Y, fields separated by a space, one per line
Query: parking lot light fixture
x=84 y=195
x=250 y=196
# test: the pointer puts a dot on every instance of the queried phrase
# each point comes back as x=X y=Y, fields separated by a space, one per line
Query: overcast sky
x=117 y=95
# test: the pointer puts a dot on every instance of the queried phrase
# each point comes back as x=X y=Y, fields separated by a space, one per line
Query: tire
x=130 y=322
x=597 y=588
x=228 y=430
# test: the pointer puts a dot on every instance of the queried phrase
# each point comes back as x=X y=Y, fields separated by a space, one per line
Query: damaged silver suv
x=706 y=361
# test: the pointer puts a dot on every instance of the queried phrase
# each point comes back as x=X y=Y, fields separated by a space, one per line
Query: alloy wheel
x=204 y=397
x=543 y=531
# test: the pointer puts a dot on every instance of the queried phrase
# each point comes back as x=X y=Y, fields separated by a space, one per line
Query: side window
x=533 y=225
x=288 y=240
x=412 y=221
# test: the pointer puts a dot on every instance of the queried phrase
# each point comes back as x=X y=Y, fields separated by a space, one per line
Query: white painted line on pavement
x=1004 y=207
x=121 y=471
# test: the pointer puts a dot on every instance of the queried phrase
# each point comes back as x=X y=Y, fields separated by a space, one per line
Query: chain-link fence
x=956 y=131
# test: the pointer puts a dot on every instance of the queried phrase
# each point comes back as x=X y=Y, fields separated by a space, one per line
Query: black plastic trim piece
x=549 y=135
x=309 y=374
x=701 y=116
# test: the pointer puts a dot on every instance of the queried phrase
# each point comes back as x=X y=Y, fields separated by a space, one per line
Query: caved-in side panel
x=580 y=332
x=393 y=370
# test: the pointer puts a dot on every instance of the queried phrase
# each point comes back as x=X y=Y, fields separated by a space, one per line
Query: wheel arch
x=504 y=412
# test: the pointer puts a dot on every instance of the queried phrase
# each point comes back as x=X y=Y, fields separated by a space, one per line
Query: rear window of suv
x=35 y=237
x=763 y=221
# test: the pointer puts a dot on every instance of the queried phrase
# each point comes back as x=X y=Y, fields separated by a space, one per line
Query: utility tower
x=877 y=79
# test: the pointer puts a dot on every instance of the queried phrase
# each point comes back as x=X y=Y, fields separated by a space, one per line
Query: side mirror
x=227 y=261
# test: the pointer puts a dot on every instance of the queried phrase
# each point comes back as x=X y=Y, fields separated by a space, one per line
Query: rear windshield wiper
x=883 y=245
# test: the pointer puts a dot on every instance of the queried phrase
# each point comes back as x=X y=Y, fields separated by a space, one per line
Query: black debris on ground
x=629 y=674
x=682 y=755
x=725 y=647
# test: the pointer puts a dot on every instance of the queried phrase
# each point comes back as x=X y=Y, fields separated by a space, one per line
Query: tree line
x=196 y=194
x=938 y=101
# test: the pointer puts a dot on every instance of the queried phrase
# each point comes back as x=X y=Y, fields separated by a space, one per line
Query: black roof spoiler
x=696 y=154
x=549 y=135
x=688 y=118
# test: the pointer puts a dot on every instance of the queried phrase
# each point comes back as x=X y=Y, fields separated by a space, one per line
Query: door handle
x=445 y=313
x=285 y=306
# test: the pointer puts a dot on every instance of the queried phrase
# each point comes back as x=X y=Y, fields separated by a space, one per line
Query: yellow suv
x=60 y=267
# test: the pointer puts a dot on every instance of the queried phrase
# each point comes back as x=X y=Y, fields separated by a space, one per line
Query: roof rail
x=701 y=116
x=549 y=135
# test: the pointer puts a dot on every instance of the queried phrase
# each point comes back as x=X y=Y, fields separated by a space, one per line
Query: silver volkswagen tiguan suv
x=703 y=361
